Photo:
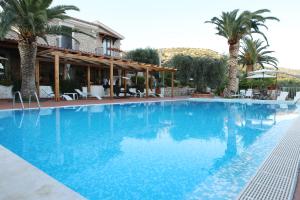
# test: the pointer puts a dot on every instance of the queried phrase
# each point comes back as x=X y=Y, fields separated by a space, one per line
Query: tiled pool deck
x=277 y=176
x=21 y=180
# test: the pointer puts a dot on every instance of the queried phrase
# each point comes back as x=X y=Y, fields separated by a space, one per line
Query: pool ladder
x=21 y=99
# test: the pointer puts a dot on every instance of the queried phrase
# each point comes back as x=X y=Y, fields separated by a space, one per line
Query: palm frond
x=255 y=52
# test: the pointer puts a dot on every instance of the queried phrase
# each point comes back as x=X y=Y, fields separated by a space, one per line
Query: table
x=74 y=94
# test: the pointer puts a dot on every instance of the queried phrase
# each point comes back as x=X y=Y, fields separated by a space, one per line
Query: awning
x=262 y=75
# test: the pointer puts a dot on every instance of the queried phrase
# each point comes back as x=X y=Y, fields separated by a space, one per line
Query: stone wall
x=185 y=91
x=5 y=92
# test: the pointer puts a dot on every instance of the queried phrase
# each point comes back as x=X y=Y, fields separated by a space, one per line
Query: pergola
x=88 y=60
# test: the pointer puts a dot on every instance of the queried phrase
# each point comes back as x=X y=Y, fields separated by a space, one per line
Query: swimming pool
x=154 y=150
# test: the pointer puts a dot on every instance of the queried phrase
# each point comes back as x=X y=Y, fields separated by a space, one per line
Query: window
x=106 y=44
x=65 y=41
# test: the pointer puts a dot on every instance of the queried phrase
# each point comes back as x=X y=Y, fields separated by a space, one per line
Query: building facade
x=105 y=41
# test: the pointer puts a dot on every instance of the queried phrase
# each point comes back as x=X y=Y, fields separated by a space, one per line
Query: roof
x=102 y=26
x=82 y=58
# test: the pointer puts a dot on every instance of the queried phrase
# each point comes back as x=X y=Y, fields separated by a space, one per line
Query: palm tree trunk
x=28 y=57
x=232 y=65
x=249 y=68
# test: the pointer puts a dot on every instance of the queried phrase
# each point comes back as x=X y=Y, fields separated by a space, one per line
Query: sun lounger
x=140 y=94
x=152 y=93
x=81 y=93
x=46 y=91
x=67 y=97
x=249 y=93
x=296 y=98
x=282 y=96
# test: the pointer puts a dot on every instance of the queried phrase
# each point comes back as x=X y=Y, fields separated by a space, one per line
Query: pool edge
x=249 y=190
x=22 y=180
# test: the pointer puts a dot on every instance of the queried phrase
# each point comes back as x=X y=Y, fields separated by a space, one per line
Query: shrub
x=68 y=86
x=140 y=85
x=6 y=82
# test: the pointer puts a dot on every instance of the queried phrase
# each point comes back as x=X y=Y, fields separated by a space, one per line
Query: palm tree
x=234 y=27
x=29 y=20
x=254 y=53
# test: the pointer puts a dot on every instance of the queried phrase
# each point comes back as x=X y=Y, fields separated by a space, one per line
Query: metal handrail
x=20 y=96
x=37 y=100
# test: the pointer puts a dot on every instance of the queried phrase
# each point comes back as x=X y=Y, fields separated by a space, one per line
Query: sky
x=177 y=23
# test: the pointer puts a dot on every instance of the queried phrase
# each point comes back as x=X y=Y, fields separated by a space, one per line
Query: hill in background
x=168 y=53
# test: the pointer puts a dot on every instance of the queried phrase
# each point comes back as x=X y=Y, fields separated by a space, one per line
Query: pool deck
x=21 y=180
x=277 y=177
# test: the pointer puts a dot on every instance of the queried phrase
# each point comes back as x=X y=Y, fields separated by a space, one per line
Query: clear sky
x=177 y=23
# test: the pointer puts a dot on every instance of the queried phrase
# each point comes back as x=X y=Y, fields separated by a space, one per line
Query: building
x=87 y=60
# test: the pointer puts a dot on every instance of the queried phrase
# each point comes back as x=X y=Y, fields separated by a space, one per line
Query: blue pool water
x=163 y=150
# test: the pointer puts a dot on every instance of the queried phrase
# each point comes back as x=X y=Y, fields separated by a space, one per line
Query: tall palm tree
x=29 y=20
x=234 y=26
x=254 y=53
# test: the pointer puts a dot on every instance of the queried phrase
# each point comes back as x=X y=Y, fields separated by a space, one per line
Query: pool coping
x=94 y=104
x=273 y=180
x=246 y=101
x=22 y=180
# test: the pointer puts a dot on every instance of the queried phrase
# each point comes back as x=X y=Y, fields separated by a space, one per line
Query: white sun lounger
x=140 y=94
x=249 y=93
x=296 y=98
x=46 y=91
x=67 y=97
x=282 y=96
x=81 y=93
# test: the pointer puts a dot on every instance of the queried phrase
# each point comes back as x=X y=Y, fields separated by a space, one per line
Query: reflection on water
x=139 y=151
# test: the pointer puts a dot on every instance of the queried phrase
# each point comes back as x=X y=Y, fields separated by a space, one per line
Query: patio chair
x=140 y=94
x=239 y=95
x=67 y=97
x=133 y=91
x=282 y=96
x=249 y=93
x=46 y=91
x=152 y=93
x=81 y=93
x=296 y=98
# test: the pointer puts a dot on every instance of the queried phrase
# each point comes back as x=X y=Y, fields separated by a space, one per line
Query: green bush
x=6 y=82
x=256 y=83
x=68 y=86
x=288 y=82
x=140 y=82
x=147 y=55
x=199 y=72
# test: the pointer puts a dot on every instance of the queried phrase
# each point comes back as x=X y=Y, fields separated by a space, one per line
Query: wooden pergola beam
x=45 y=52
x=147 y=82
x=172 y=91
x=88 y=79
x=111 y=75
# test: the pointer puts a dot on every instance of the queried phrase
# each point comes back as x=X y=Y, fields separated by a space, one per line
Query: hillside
x=168 y=53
